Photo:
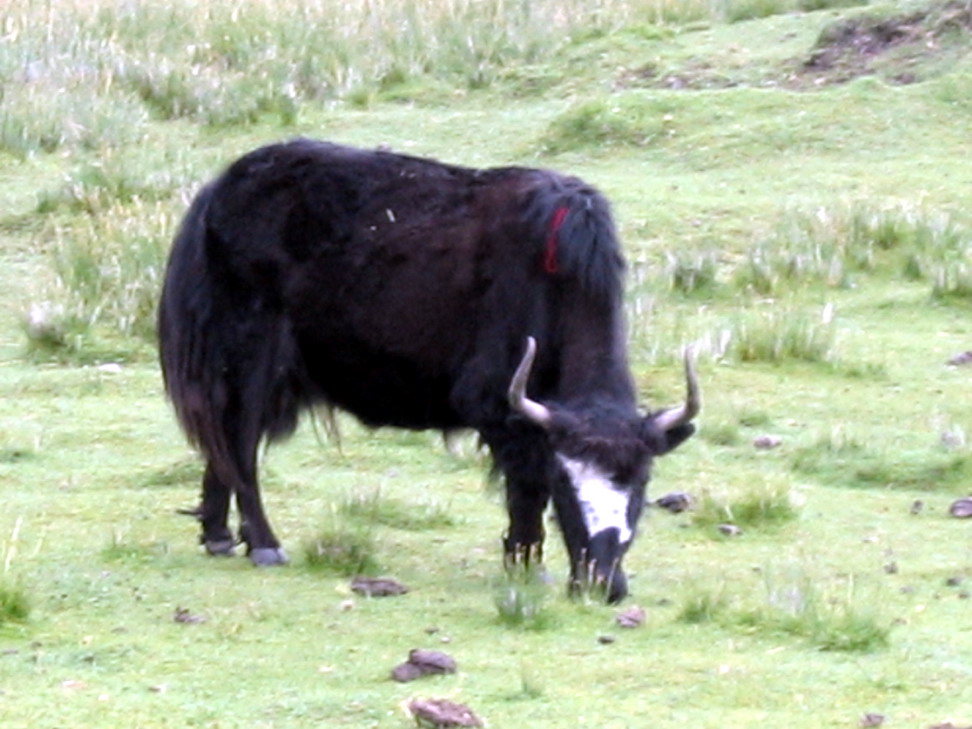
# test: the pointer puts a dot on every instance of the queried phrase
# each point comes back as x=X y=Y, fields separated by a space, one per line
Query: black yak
x=420 y=295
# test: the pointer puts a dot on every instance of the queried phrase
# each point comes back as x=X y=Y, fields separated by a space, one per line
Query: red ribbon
x=550 y=259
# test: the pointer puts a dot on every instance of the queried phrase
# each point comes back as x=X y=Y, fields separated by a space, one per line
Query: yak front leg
x=523 y=542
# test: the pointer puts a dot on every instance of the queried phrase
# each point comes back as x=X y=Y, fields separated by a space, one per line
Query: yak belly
x=381 y=390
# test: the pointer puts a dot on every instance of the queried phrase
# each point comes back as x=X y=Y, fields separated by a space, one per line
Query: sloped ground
x=901 y=48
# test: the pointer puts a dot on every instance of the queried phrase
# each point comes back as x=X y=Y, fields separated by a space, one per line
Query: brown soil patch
x=893 y=47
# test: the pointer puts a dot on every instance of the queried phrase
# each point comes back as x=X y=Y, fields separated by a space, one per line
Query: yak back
x=403 y=290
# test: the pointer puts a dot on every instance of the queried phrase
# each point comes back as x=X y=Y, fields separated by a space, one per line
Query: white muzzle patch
x=602 y=504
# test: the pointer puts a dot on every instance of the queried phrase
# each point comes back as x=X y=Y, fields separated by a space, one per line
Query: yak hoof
x=268 y=556
x=220 y=547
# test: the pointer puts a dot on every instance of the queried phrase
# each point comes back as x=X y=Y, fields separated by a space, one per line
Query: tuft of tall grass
x=107 y=275
x=838 y=619
x=691 y=272
x=768 y=502
x=14 y=601
x=952 y=280
x=782 y=335
x=343 y=549
x=520 y=596
x=703 y=604
x=99 y=187
x=46 y=106
x=831 y=246
x=842 y=458
x=833 y=615
x=14 y=598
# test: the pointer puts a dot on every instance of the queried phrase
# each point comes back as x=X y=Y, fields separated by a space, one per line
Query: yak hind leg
x=213 y=513
x=262 y=546
x=233 y=471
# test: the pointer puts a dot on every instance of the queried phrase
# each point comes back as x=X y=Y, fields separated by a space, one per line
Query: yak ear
x=676 y=436
x=664 y=441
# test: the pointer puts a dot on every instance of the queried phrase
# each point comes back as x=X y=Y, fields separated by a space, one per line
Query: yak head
x=602 y=456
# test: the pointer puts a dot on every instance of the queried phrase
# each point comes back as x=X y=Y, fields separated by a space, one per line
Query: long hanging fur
x=199 y=326
x=587 y=247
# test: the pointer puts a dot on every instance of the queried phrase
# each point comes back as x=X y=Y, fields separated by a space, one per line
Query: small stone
x=954 y=581
x=606 y=639
x=872 y=719
x=729 y=530
x=961 y=509
x=675 y=502
x=891 y=568
x=952 y=439
x=633 y=617
x=917 y=506
x=184 y=615
x=767 y=442
x=432 y=661
x=377 y=586
x=423 y=663
x=405 y=672
x=442 y=714
x=962 y=358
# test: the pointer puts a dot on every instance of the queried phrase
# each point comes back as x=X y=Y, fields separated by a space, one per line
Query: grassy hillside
x=791 y=180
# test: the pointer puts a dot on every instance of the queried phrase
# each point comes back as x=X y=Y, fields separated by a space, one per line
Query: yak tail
x=230 y=364
x=188 y=348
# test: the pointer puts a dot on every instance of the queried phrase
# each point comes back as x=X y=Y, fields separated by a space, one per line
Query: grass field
x=792 y=184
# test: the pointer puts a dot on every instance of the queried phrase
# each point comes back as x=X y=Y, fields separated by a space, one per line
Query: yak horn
x=534 y=411
x=675 y=417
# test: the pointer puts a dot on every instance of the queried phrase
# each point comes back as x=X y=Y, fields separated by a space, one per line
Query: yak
x=420 y=295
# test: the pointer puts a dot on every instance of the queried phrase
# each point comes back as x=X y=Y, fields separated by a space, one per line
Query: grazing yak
x=419 y=295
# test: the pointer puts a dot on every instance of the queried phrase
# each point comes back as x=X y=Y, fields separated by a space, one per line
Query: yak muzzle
x=603 y=573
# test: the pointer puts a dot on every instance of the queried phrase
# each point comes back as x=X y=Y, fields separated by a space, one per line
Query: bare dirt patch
x=902 y=48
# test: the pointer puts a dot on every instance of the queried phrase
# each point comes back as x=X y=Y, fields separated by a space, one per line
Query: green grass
x=341 y=549
x=521 y=597
x=374 y=508
x=793 y=604
x=14 y=602
x=765 y=503
x=806 y=228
